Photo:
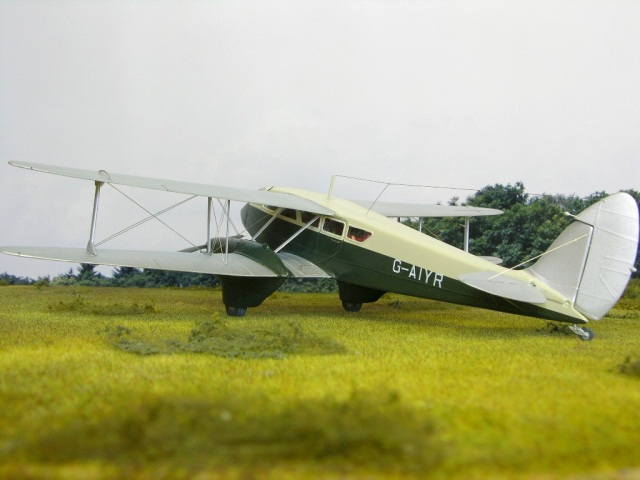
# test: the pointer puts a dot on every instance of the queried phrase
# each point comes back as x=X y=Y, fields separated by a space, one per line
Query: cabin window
x=333 y=226
x=358 y=234
x=308 y=216
x=289 y=213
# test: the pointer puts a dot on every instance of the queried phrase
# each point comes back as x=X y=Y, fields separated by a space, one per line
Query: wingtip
x=7 y=250
x=15 y=163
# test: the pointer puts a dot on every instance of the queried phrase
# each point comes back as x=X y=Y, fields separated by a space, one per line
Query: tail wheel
x=351 y=307
x=583 y=333
x=589 y=334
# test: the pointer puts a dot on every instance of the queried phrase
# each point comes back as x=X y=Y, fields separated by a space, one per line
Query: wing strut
x=209 y=206
x=91 y=247
x=466 y=234
x=302 y=229
x=226 y=248
x=266 y=225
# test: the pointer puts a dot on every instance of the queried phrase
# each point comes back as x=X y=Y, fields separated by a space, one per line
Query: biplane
x=293 y=233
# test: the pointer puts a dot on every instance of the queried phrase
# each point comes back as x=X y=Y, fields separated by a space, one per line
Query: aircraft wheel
x=583 y=333
x=351 y=307
x=236 y=311
x=589 y=334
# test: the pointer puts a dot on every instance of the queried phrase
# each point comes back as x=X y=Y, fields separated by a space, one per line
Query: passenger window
x=358 y=234
x=289 y=213
x=308 y=216
x=333 y=226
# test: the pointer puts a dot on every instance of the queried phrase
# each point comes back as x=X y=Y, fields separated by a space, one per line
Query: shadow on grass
x=470 y=321
x=231 y=340
x=367 y=430
x=465 y=323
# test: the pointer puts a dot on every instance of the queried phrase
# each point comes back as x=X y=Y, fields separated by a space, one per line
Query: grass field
x=130 y=383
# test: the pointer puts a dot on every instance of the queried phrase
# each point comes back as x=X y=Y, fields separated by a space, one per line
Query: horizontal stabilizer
x=235 y=265
x=503 y=286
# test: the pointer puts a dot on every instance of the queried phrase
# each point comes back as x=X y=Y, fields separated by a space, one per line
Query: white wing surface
x=263 y=197
x=391 y=209
x=235 y=266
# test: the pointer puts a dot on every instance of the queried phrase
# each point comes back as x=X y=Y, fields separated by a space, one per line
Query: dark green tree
x=127 y=277
x=451 y=230
x=165 y=278
x=521 y=232
x=6 y=279
x=502 y=197
x=125 y=272
x=87 y=275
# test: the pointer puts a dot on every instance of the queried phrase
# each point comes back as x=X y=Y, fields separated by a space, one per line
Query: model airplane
x=296 y=233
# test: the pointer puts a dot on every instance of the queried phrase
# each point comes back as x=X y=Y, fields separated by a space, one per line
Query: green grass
x=115 y=383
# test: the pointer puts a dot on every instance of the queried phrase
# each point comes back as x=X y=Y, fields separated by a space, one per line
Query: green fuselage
x=363 y=274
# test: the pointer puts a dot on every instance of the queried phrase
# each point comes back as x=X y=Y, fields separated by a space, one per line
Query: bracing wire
x=150 y=217
x=541 y=255
x=229 y=214
x=406 y=184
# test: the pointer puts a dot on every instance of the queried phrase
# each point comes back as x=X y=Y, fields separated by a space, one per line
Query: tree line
x=87 y=275
x=529 y=224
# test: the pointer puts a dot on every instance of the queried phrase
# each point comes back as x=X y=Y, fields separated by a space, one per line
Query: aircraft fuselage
x=370 y=255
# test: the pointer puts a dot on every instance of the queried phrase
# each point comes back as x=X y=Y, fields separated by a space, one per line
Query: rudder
x=592 y=259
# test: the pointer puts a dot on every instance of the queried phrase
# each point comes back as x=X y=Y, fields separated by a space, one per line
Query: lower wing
x=232 y=264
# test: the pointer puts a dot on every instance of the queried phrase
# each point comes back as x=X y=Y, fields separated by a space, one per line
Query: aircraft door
x=330 y=239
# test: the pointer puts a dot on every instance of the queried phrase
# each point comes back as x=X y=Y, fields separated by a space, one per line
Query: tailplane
x=592 y=260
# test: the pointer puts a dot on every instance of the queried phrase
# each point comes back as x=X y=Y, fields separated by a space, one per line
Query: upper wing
x=263 y=197
x=390 y=209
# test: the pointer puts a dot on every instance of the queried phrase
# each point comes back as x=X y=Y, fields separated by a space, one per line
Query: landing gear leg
x=583 y=333
x=353 y=296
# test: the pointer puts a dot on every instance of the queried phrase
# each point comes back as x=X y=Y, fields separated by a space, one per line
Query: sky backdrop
x=259 y=93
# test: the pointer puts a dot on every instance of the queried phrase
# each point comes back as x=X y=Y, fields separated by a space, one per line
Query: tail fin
x=592 y=260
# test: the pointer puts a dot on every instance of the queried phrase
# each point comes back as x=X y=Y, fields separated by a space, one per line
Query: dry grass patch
x=229 y=339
